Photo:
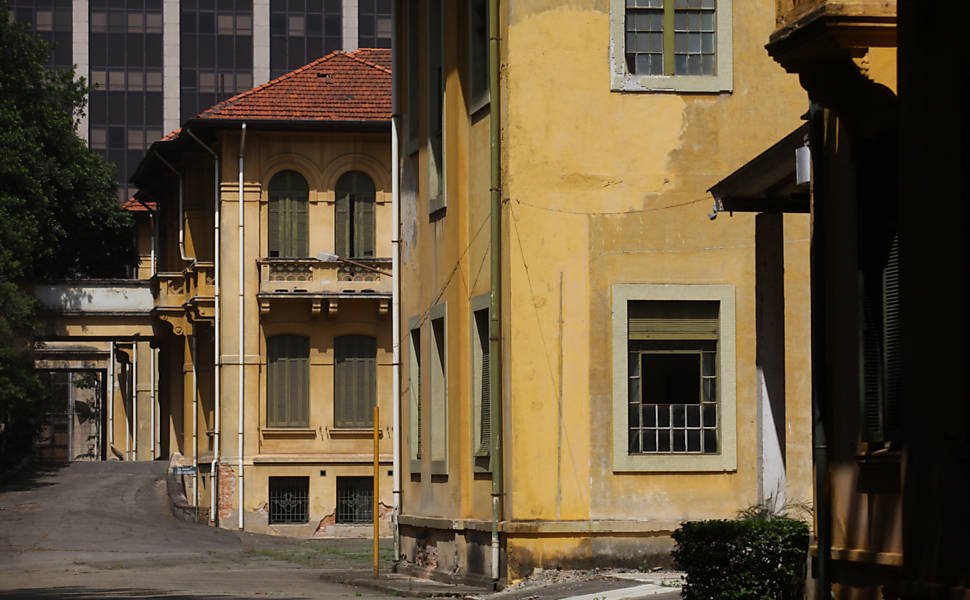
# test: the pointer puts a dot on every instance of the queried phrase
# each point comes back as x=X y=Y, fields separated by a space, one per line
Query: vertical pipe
x=195 y=426
x=396 y=291
x=127 y=405
x=110 y=398
x=495 y=275
x=134 y=400
x=217 y=335
x=217 y=327
x=240 y=477
x=153 y=351
x=823 y=517
x=377 y=487
x=70 y=416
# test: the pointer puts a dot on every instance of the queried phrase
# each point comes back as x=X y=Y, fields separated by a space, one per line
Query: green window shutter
x=659 y=320
x=273 y=227
x=288 y=381
x=486 y=416
x=341 y=221
x=355 y=380
x=892 y=350
x=288 y=200
x=364 y=225
x=870 y=368
x=354 y=215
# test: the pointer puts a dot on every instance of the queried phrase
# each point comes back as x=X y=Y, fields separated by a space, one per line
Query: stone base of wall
x=461 y=550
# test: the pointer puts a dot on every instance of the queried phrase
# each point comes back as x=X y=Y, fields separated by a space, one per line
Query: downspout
x=240 y=478
x=396 y=292
x=134 y=400
x=195 y=426
x=152 y=351
x=495 y=275
x=181 y=208
x=111 y=398
x=823 y=513
x=217 y=335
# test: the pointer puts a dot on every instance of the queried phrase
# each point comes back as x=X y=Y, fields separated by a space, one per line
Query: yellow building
x=647 y=365
x=255 y=342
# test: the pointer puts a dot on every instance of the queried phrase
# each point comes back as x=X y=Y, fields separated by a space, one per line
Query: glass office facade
x=216 y=52
x=301 y=31
x=374 y=24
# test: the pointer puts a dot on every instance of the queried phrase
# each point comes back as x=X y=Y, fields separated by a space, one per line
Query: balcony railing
x=312 y=276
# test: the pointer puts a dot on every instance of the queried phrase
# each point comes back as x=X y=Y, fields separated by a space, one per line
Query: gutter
x=217 y=333
x=495 y=275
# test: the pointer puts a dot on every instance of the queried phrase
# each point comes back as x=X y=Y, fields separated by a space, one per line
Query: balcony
x=182 y=299
x=324 y=282
x=813 y=31
x=95 y=309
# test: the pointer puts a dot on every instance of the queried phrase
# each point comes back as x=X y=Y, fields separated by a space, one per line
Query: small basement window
x=289 y=500
x=355 y=500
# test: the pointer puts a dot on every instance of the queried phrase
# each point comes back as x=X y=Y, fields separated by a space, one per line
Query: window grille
x=355 y=500
x=289 y=500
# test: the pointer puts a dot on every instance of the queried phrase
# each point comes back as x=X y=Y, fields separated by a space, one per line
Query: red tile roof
x=341 y=86
x=136 y=206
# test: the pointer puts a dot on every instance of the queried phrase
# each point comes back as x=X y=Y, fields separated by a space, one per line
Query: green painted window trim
x=438 y=390
x=726 y=458
x=623 y=81
x=288 y=207
x=354 y=216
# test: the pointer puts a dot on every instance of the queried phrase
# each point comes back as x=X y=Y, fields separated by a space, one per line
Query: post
x=377 y=486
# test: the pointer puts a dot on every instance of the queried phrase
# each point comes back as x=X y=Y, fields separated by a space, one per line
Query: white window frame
x=726 y=457
x=623 y=81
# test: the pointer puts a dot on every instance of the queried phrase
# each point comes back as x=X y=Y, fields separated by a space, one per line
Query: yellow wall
x=598 y=188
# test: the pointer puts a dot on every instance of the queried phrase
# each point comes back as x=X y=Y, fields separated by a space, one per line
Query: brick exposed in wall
x=227 y=490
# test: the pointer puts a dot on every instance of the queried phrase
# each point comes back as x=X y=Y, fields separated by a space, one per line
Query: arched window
x=288 y=381
x=354 y=380
x=288 y=198
x=354 y=215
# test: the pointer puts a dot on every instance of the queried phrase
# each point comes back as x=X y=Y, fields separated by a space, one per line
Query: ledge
x=355 y=432
x=320 y=459
x=302 y=432
x=593 y=527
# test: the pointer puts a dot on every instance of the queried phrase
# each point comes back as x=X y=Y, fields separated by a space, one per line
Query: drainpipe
x=495 y=273
x=111 y=397
x=195 y=426
x=823 y=513
x=134 y=400
x=154 y=351
x=181 y=207
x=240 y=478
x=396 y=292
x=217 y=335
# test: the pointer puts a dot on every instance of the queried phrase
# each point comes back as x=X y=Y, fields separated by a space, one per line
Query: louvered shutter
x=892 y=350
x=486 y=408
x=341 y=223
x=661 y=320
x=287 y=223
x=355 y=380
x=870 y=368
x=364 y=225
x=273 y=226
x=288 y=381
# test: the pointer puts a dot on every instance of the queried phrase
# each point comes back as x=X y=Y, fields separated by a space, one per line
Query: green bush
x=744 y=559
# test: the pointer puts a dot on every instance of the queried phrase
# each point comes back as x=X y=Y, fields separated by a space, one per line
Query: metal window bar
x=682 y=428
x=289 y=500
x=355 y=500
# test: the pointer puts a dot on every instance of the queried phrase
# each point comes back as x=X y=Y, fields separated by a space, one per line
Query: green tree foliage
x=59 y=214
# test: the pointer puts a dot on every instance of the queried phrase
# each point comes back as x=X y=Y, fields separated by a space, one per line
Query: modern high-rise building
x=156 y=63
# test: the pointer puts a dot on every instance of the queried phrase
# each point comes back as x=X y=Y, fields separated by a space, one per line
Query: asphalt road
x=103 y=530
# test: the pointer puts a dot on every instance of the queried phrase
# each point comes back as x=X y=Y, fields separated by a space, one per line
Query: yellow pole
x=377 y=488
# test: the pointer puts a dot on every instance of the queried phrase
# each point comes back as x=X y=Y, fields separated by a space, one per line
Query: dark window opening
x=355 y=500
x=289 y=500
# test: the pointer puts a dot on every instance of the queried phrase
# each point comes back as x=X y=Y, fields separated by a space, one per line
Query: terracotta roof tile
x=136 y=206
x=341 y=86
